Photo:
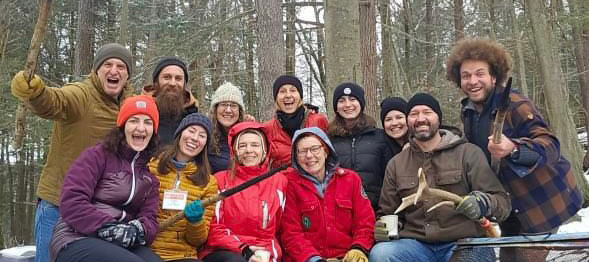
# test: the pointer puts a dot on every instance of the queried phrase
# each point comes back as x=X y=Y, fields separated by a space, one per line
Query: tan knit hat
x=228 y=92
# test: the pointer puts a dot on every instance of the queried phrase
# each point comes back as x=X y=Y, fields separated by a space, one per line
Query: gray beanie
x=113 y=50
x=227 y=92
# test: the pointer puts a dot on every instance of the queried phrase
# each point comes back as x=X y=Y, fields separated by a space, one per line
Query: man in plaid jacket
x=539 y=179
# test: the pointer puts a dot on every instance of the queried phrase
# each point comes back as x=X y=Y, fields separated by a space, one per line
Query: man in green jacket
x=451 y=164
x=82 y=113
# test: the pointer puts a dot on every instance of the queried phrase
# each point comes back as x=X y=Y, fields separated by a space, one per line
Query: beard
x=168 y=104
x=424 y=135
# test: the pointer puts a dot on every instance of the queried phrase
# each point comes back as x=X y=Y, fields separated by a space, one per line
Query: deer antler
x=448 y=198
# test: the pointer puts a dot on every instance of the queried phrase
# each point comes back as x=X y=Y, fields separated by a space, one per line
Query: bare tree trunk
x=342 y=45
x=271 y=51
x=388 y=63
x=367 y=16
x=519 y=50
x=429 y=43
x=218 y=56
x=150 y=50
x=580 y=38
x=124 y=32
x=555 y=89
x=492 y=20
x=84 y=38
x=249 y=87
x=290 y=37
x=458 y=20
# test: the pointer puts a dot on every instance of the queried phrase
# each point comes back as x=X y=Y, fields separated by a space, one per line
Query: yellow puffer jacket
x=182 y=239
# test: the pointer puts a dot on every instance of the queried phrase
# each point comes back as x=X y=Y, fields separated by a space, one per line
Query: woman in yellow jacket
x=185 y=178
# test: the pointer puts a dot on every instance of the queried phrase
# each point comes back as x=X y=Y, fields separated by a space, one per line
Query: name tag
x=174 y=200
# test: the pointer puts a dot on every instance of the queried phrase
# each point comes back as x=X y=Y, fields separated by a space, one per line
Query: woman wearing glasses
x=227 y=109
x=291 y=115
x=328 y=214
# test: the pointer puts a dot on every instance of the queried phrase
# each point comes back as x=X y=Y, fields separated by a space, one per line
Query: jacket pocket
x=452 y=181
x=407 y=182
x=309 y=218
x=344 y=215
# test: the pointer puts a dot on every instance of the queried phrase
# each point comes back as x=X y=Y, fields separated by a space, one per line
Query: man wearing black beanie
x=169 y=86
x=449 y=163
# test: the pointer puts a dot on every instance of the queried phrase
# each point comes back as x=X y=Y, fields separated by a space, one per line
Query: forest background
x=390 y=47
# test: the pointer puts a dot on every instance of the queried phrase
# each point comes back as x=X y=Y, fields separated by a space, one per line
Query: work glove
x=355 y=255
x=124 y=235
x=21 y=88
x=381 y=233
x=194 y=211
x=475 y=205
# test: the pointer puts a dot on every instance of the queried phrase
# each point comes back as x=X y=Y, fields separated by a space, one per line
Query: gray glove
x=125 y=235
x=475 y=205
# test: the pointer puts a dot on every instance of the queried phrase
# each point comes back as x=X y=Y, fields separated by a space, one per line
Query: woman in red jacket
x=247 y=221
x=291 y=115
x=328 y=214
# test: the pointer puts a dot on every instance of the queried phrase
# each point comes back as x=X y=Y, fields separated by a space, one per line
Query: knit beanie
x=349 y=89
x=194 y=119
x=135 y=105
x=113 y=50
x=287 y=80
x=392 y=103
x=168 y=61
x=227 y=92
x=426 y=100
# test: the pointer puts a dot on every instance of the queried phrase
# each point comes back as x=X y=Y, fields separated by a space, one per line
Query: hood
x=332 y=160
x=240 y=127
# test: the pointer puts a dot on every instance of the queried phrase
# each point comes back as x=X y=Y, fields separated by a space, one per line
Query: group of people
x=121 y=166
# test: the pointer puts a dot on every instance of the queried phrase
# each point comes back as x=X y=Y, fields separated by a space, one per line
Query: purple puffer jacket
x=99 y=188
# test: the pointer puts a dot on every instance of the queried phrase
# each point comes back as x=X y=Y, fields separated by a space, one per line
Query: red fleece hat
x=135 y=105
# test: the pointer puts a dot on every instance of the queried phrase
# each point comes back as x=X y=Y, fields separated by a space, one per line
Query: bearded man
x=172 y=94
x=451 y=164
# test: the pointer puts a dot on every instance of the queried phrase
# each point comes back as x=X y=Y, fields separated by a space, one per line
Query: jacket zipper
x=264 y=214
x=132 y=179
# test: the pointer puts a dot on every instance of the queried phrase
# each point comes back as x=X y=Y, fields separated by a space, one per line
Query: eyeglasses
x=301 y=152
x=232 y=106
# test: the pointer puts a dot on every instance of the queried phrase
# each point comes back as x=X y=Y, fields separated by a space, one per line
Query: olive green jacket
x=83 y=114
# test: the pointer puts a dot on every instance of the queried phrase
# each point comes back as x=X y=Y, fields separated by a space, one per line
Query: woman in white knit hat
x=227 y=109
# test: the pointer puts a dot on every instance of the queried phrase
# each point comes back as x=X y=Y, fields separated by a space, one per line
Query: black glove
x=124 y=235
x=246 y=252
x=475 y=205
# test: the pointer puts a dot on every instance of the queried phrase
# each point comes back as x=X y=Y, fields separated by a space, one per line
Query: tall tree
x=124 y=17
x=580 y=25
x=519 y=50
x=388 y=59
x=342 y=45
x=367 y=16
x=458 y=20
x=84 y=38
x=271 y=50
x=555 y=88
x=291 y=17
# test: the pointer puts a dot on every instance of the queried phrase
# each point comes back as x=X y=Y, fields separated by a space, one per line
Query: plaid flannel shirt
x=543 y=195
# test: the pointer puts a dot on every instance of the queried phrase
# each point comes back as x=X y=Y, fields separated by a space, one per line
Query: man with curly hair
x=539 y=179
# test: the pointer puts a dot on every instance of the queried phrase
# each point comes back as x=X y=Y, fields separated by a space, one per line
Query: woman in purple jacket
x=109 y=200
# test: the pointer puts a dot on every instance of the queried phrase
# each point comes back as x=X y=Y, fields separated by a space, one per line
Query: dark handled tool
x=502 y=108
x=211 y=200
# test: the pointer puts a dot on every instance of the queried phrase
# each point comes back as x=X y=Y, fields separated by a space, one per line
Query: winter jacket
x=220 y=161
x=167 y=126
x=367 y=153
x=545 y=194
x=455 y=166
x=83 y=114
x=252 y=216
x=96 y=191
x=182 y=239
x=329 y=224
x=280 y=141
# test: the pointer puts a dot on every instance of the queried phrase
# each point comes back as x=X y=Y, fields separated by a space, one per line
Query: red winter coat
x=280 y=141
x=252 y=216
x=330 y=226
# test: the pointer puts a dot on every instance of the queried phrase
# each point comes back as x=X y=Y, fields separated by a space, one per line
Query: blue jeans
x=45 y=219
x=411 y=250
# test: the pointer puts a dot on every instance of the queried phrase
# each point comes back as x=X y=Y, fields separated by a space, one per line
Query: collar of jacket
x=449 y=140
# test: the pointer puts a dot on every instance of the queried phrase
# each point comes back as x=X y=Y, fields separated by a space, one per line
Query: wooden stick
x=30 y=66
x=180 y=215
